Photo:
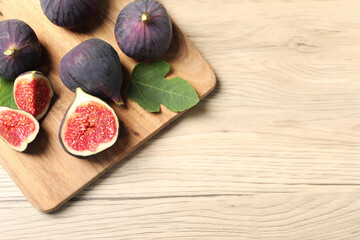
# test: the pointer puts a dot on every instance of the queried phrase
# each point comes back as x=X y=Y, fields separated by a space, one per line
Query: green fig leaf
x=7 y=94
x=149 y=88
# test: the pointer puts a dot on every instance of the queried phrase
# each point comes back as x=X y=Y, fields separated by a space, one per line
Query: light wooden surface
x=273 y=153
x=45 y=173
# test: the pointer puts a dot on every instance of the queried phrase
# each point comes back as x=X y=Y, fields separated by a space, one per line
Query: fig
x=68 y=13
x=20 y=49
x=89 y=126
x=143 y=30
x=17 y=128
x=95 y=67
x=33 y=93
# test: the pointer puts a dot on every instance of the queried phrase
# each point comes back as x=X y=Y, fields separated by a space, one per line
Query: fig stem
x=144 y=17
x=9 y=52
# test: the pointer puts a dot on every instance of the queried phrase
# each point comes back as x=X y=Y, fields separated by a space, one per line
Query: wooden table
x=273 y=153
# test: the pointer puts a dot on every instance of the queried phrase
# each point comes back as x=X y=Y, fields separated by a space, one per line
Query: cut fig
x=33 y=93
x=95 y=67
x=68 y=13
x=17 y=128
x=144 y=30
x=20 y=49
x=89 y=126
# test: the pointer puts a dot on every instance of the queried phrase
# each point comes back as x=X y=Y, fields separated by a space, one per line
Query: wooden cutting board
x=46 y=175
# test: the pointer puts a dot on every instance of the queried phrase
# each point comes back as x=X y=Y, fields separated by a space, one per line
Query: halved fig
x=95 y=67
x=68 y=13
x=33 y=93
x=20 y=49
x=144 y=30
x=17 y=128
x=89 y=126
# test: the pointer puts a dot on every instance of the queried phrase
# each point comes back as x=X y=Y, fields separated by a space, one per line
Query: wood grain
x=273 y=153
x=47 y=175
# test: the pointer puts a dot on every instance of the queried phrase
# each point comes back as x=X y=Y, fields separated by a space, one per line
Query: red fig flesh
x=33 y=93
x=17 y=128
x=89 y=126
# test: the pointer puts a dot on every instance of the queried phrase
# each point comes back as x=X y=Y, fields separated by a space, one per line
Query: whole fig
x=68 y=13
x=20 y=49
x=95 y=67
x=144 y=30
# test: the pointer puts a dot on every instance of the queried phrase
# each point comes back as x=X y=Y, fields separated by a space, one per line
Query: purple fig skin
x=95 y=67
x=68 y=13
x=144 y=30
x=20 y=49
